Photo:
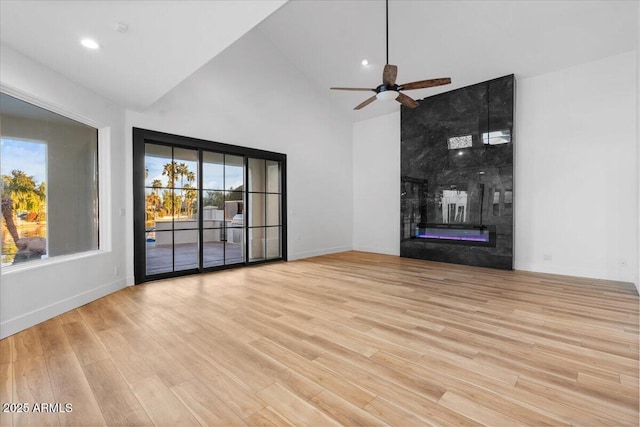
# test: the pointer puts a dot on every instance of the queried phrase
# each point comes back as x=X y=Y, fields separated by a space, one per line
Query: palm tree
x=170 y=171
x=190 y=176
x=182 y=170
x=191 y=195
x=19 y=192
x=156 y=184
x=152 y=204
x=171 y=202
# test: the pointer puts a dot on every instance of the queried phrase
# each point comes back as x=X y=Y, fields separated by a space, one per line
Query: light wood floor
x=352 y=339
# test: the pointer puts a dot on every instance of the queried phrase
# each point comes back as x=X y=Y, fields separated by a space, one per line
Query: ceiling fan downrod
x=387 y=32
x=389 y=89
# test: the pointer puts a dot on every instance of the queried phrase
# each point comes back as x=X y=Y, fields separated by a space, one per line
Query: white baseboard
x=20 y=323
x=309 y=254
x=563 y=270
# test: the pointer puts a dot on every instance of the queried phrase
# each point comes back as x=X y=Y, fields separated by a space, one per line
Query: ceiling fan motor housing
x=384 y=88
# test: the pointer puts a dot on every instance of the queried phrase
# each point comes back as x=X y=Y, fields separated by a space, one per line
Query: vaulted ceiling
x=469 y=41
x=164 y=42
x=326 y=40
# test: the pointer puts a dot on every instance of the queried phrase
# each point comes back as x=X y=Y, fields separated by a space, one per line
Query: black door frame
x=144 y=136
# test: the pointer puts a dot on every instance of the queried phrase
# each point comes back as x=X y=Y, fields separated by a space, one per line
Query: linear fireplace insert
x=463 y=234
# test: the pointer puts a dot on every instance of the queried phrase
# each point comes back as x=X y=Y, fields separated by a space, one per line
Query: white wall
x=252 y=96
x=637 y=282
x=576 y=180
x=32 y=293
x=376 y=185
x=576 y=183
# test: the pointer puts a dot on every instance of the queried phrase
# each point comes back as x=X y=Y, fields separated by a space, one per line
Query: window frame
x=103 y=161
x=146 y=136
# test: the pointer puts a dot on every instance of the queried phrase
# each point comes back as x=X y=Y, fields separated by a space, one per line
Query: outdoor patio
x=160 y=258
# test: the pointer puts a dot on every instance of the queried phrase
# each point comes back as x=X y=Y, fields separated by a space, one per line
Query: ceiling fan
x=389 y=89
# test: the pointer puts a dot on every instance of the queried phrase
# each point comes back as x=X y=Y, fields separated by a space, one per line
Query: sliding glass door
x=195 y=212
x=171 y=209
x=223 y=209
x=265 y=219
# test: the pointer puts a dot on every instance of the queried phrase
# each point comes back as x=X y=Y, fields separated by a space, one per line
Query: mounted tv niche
x=457 y=176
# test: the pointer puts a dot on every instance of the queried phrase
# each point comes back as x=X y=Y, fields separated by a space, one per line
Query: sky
x=27 y=156
x=213 y=179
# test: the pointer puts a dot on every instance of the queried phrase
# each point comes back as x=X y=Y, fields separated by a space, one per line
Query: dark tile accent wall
x=457 y=169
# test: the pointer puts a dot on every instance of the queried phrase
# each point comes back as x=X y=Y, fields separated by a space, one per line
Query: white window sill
x=29 y=265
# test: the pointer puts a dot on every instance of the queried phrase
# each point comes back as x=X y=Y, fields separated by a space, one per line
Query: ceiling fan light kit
x=387 y=95
x=389 y=90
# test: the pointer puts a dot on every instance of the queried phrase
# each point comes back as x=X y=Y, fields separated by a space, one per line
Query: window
x=202 y=205
x=265 y=219
x=49 y=167
x=223 y=209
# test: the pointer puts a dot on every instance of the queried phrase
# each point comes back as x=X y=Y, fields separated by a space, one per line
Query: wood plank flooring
x=346 y=339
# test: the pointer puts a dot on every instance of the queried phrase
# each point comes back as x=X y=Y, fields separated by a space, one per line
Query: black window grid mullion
x=224 y=209
x=142 y=137
x=173 y=218
x=264 y=198
x=200 y=213
x=246 y=216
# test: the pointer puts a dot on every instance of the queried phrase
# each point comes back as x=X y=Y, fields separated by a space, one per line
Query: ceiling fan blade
x=353 y=88
x=425 y=83
x=407 y=100
x=365 y=103
x=389 y=75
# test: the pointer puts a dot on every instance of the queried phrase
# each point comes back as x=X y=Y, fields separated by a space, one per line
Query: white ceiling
x=166 y=40
x=469 y=41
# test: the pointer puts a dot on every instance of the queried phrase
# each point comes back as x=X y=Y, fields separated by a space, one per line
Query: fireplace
x=457 y=192
x=462 y=234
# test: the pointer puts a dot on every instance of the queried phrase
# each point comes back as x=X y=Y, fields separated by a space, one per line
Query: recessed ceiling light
x=460 y=153
x=365 y=62
x=90 y=44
